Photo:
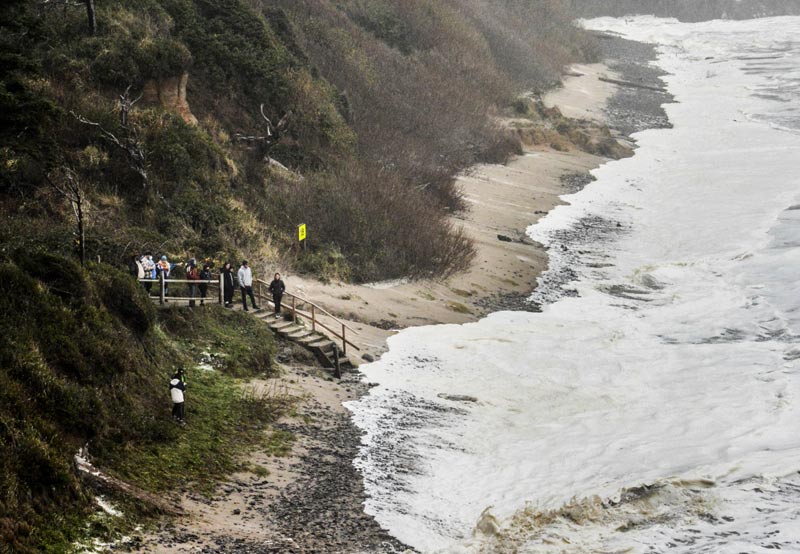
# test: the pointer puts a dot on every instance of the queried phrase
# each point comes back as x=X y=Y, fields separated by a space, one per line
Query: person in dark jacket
x=205 y=275
x=277 y=288
x=227 y=284
x=192 y=275
x=136 y=268
x=177 y=390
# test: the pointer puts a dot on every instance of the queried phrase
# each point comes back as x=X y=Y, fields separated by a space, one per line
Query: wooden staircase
x=324 y=349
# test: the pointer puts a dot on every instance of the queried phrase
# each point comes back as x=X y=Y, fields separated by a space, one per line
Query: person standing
x=277 y=288
x=149 y=267
x=191 y=275
x=245 y=276
x=205 y=276
x=227 y=284
x=177 y=391
x=163 y=267
x=136 y=268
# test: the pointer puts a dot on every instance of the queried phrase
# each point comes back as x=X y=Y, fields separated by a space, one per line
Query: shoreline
x=312 y=500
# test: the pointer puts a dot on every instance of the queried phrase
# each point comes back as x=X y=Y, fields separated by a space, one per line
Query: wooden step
x=325 y=344
x=297 y=335
x=289 y=330
x=278 y=323
x=309 y=339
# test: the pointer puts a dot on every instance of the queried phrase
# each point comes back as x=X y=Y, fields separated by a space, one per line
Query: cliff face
x=170 y=94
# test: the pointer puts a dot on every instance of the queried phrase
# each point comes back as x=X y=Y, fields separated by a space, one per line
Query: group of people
x=144 y=267
x=244 y=277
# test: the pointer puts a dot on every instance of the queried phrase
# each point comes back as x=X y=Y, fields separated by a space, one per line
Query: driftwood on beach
x=631 y=84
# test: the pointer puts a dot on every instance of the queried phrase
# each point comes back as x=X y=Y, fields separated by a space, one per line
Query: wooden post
x=221 y=288
x=344 y=340
x=163 y=287
x=91 y=17
x=313 y=319
x=294 y=309
x=337 y=370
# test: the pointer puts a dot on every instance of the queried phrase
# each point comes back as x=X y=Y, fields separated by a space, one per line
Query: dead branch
x=125 y=105
x=70 y=187
x=129 y=144
x=91 y=18
x=273 y=132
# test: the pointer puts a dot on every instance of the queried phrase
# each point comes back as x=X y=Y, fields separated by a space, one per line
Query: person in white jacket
x=177 y=390
x=245 y=277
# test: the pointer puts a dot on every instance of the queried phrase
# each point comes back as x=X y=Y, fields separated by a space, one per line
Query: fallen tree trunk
x=104 y=483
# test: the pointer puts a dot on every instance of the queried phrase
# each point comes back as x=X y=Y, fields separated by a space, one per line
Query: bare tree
x=129 y=141
x=91 y=17
x=68 y=185
x=271 y=137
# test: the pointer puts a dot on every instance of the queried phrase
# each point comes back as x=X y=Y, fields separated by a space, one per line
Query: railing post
x=344 y=340
x=313 y=319
x=163 y=287
x=294 y=309
x=337 y=370
x=221 y=288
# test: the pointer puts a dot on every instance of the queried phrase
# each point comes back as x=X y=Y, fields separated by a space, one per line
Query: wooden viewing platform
x=304 y=322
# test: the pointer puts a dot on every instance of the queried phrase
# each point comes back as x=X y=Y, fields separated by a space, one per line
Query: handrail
x=317 y=306
x=168 y=280
x=312 y=316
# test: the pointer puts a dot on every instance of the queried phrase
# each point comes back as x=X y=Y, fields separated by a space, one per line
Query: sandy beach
x=310 y=498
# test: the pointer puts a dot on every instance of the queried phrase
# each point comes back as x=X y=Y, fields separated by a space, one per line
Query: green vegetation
x=221 y=422
x=85 y=359
x=279 y=443
x=224 y=337
x=459 y=307
x=381 y=104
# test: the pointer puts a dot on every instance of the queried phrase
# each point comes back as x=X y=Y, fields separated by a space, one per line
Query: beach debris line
x=457 y=397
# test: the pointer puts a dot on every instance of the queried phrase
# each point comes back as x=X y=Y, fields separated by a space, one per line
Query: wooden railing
x=313 y=313
x=163 y=284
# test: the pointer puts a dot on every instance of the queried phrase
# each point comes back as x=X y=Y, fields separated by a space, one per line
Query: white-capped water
x=676 y=366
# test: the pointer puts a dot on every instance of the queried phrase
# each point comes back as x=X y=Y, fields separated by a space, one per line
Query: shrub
x=383 y=227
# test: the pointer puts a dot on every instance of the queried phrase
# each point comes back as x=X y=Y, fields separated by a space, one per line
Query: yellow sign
x=301 y=232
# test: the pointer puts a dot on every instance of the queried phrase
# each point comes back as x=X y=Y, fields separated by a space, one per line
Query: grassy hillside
x=85 y=360
x=381 y=103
